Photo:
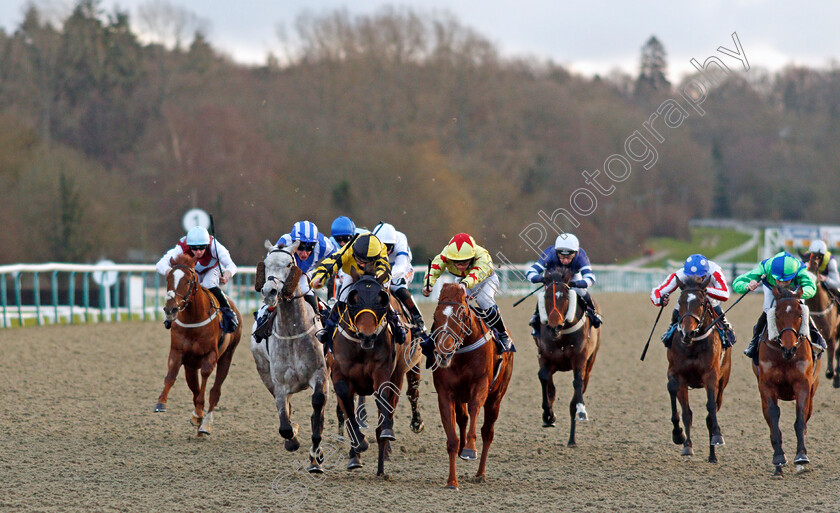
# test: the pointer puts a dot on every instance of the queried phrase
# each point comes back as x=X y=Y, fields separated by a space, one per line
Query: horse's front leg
x=548 y=392
x=462 y=418
x=319 y=402
x=199 y=417
x=771 y=410
x=413 y=379
x=358 y=444
x=447 y=418
x=288 y=430
x=477 y=399
x=687 y=418
x=173 y=364
x=576 y=404
x=386 y=398
x=802 y=391
x=715 y=437
x=677 y=434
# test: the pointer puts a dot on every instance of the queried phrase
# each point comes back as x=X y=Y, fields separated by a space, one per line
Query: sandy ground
x=77 y=433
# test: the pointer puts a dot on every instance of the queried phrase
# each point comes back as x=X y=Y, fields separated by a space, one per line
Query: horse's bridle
x=695 y=334
x=799 y=337
x=282 y=283
x=193 y=281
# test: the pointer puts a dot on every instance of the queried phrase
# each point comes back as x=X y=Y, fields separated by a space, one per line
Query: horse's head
x=281 y=273
x=367 y=305
x=558 y=297
x=452 y=323
x=693 y=306
x=788 y=319
x=814 y=261
x=181 y=285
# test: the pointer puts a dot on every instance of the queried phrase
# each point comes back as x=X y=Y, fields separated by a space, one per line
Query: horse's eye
x=289 y=264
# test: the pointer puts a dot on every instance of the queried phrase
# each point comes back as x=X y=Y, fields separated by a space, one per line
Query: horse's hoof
x=291 y=444
x=581 y=412
x=687 y=451
x=829 y=373
x=779 y=460
x=354 y=463
x=836 y=382
x=362 y=423
x=717 y=440
x=363 y=444
x=417 y=426
x=800 y=469
x=778 y=472
x=678 y=436
x=712 y=459
x=203 y=431
x=160 y=408
x=468 y=454
x=549 y=424
x=571 y=443
x=195 y=421
x=387 y=434
x=801 y=459
x=314 y=468
x=451 y=487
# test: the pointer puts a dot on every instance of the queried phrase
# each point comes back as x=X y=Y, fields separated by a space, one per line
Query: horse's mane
x=561 y=273
x=694 y=282
x=785 y=292
x=184 y=259
x=452 y=292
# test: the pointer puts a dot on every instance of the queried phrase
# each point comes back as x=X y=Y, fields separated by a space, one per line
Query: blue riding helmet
x=696 y=265
x=785 y=267
x=304 y=231
x=342 y=226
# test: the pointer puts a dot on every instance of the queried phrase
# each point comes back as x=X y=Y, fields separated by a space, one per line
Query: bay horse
x=464 y=379
x=365 y=363
x=787 y=370
x=292 y=358
x=566 y=342
x=823 y=309
x=696 y=359
x=197 y=341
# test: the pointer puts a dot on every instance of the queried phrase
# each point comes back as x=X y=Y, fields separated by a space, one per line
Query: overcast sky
x=588 y=37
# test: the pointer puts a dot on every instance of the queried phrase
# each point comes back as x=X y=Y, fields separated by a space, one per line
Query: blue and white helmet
x=198 y=236
x=304 y=231
x=696 y=265
x=342 y=226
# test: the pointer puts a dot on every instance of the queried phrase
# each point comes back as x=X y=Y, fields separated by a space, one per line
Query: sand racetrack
x=77 y=433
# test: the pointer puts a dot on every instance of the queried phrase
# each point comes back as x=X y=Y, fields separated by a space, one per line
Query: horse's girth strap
x=205 y=322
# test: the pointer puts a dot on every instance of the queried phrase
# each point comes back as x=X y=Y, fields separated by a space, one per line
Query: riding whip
x=719 y=317
x=529 y=295
x=661 y=307
x=212 y=231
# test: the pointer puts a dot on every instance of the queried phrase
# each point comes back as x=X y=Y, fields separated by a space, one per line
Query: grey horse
x=292 y=358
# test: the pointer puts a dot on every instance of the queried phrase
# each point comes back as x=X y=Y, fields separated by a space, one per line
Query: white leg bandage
x=805 y=328
x=772 y=329
x=572 y=310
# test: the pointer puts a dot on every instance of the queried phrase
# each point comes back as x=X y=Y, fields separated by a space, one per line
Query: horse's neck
x=294 y=312
x=821 y=300
x=200 y=304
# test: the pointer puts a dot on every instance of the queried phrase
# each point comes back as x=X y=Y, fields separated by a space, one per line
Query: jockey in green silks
x=787 y=271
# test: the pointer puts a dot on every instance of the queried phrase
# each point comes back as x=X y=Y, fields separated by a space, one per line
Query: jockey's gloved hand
x=537 y=278
x=578 y=284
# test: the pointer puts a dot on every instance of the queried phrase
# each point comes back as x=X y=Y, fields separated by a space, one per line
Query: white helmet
x=386 y=233
x=567 y=242
x=818 y=246
x=198 y=236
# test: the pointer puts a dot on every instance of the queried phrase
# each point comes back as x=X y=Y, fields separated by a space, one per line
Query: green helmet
x=785 y=267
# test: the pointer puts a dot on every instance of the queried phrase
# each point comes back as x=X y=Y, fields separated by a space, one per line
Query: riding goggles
x=565 y=252
x=343 y=239
x=306 y=246
x=200 y=247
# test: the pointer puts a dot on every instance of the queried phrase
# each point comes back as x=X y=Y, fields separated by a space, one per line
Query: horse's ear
x=798 y=292
x=354 y=274
x=567 y=275
x=294 y=246
x=259 y=279
x=777 y=292
x=353 y=297
x=384 y=299
x=268 y=245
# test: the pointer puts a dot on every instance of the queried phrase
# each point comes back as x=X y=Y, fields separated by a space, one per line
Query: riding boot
x=494 y=319
x=729 y=333
x=396 y=326
x=326 y=334
x=669 y=333
x=229 y=321
x=534 y=323
x=416 y=317
x=758 y=329
x=817 y=340
x=263 y=319
x=595 y=318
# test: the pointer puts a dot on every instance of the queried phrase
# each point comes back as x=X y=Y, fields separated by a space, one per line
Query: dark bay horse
x=566 y=342
x=364 y=362
x=696 y=359
x=292 y=358
x=464 y=379
x=823 y=309
x=197 y=341
x=787 y=371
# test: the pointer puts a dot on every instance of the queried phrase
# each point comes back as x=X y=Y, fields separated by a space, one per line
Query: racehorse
x=292 y=358
x=787 y=370
x=566 y=342
x=823 y=309
x=197 y=341
x=364 y=363
x=696 y=359
x=466 y=358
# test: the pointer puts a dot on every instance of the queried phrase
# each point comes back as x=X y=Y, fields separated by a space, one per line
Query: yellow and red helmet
x=461 y=247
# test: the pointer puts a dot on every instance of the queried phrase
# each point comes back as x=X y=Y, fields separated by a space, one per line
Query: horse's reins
x=706 y=307
x=185 y=300
x=571 y=326
x=282 y=283
x=459 y=347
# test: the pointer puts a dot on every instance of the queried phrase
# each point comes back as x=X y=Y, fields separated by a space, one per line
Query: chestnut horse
x=364 y=363
x=466 y=355
x=696 y=359
x=197 y=341
x=824 y=312
x=787 y=371
x=566 y=342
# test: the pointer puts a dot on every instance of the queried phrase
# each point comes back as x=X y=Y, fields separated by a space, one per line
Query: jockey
x=567 y=253
x=472 y=263
x=402 y=272
x=209 y=253
x=696 y=266
x=786 y=270
x=312 y=249
x=367 y=256
x=827 y=270
x=342 y=230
